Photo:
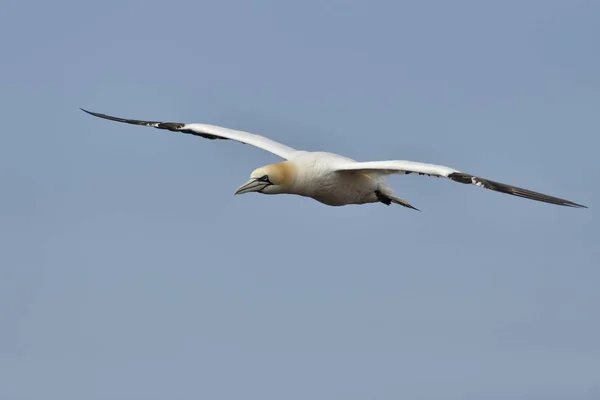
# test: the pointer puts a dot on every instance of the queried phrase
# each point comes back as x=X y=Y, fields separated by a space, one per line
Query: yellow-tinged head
x=270 y=179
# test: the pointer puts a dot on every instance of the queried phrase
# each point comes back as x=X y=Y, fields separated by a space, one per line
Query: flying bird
x=329 y=178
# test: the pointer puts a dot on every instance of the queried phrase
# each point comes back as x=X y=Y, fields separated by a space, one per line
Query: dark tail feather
x=386 y=199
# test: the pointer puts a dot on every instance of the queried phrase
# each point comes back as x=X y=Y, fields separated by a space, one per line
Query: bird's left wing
x=408 y=167
x=210 y=132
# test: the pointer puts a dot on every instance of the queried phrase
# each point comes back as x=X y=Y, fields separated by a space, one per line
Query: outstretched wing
x=210 y=132
x=408 y=167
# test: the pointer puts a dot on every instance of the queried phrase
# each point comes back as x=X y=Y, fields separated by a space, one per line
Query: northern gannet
x=329 y=178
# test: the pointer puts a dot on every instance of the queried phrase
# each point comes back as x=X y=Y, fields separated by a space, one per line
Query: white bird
x=329 y=178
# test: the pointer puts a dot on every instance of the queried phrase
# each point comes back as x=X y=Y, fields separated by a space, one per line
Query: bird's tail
x=388 y=199
x=402 y=202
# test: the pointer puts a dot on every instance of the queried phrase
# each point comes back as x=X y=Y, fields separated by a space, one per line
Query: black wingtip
x=88 y=112
x=512 y=190
x=575 y=205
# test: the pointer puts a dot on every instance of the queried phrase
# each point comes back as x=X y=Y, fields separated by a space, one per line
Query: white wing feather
x=211 y=132
x=398 y=167
x=407 y=167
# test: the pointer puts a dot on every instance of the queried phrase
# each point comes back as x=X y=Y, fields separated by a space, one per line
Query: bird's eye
x=264 y=178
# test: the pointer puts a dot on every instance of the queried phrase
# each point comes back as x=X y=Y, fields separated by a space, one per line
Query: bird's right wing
x=408 y=167
x=210 y=132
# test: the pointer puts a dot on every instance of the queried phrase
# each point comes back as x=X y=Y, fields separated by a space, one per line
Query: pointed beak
x=251 y=186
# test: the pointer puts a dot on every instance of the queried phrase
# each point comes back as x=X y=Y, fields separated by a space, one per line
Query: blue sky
x=130 y=271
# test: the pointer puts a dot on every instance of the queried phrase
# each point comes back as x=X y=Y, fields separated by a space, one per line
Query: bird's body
x=314 y=175
x=329 y=178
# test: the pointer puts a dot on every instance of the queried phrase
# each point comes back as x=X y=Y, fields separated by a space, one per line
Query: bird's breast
x=337 y=189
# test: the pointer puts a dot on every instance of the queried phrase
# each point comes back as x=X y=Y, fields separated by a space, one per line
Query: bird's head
x=270 y=179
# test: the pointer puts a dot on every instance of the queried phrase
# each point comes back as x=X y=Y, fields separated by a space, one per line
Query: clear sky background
x=128 y=270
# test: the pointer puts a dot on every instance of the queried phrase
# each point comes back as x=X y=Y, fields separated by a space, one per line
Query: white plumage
x=330 y=178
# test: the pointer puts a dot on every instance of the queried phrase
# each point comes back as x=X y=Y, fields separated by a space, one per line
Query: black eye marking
x=264 y=178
